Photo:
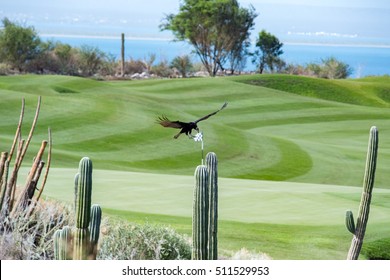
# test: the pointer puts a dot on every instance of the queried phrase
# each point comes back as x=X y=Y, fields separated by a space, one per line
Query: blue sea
x=365 y=60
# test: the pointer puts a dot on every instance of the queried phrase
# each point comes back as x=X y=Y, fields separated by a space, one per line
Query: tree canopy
x=218 y=30
x=268 y=52
x=18 y=44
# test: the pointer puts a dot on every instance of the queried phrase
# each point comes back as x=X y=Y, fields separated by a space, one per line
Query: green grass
x=378 y=249
x=291 y=152
x=264 y=130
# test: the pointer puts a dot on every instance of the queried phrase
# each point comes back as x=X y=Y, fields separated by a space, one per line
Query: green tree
x=213 y=27
x=268 y=52
x=183 y=64
x=18 y=45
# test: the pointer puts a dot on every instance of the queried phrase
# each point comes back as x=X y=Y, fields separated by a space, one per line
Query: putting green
x=249 y=201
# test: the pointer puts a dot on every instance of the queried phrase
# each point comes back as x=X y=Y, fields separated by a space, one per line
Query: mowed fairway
x=291 y=152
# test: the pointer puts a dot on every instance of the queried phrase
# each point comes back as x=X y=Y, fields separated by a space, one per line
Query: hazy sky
x=360 y=21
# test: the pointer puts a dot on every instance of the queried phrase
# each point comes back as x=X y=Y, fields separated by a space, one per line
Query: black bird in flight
x=184 y=126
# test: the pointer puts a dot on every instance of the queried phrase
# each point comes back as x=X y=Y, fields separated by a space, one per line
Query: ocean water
x=365 y=60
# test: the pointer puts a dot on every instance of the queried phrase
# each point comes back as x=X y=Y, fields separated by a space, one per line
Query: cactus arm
x=76 y=186
x=350 y=222
x=368 y=184
x=63 y=244
x=84 y=193
x=56 y=244
x=94 y=228
x=66 y=243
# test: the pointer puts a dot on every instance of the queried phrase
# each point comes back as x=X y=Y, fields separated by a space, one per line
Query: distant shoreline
x=362 y=45
x=134 y=38
x=105 y=37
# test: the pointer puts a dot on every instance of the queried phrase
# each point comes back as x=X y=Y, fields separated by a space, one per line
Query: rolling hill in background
x=291 y=152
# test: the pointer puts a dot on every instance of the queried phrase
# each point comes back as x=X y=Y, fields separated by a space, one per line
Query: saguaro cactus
x=200 y=215
x=205 y=211
x=359 y=230
x=212 y=163
x=123 y=54
x=81 y=242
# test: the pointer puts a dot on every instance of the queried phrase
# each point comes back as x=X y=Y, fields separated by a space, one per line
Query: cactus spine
x=205 y=211
x=364 y=209
x=212 y=163
x=81 y=242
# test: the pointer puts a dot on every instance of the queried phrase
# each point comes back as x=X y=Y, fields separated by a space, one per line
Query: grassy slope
x=274 y=134
x=261 y=135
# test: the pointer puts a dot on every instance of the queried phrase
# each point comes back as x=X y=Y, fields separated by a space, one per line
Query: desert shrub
x=162 y=69
x=129 y=241
x=89 y=60
x=66 y=57
x=313 y=69
x=332 y=68
x=30 y=237
x=243 y=254
x=134 y=66
x=108 y=66
x=183 y=64
x=329 y=68
x=5 y=69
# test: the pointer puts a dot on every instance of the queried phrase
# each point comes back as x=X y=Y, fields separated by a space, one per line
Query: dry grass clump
x=245 y=254
x=30 y=237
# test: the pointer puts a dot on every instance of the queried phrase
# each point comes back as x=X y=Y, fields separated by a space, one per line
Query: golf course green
x=291 y=152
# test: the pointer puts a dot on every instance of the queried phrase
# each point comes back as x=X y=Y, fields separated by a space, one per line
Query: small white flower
x=198 y=137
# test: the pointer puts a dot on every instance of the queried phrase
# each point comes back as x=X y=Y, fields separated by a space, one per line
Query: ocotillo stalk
x=212 y=164
x=4 y=178
x=200 y=215
x=364 y=209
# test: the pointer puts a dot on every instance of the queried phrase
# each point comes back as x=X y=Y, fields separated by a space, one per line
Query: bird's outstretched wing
x=209 y=115
x=165 y=122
